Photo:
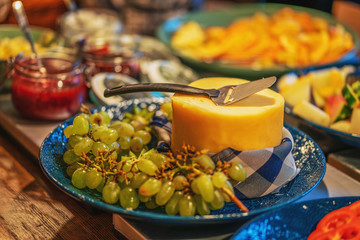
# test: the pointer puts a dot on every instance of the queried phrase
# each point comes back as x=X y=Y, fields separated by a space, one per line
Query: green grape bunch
x=115 y=158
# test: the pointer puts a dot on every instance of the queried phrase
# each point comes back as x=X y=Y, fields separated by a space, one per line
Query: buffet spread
x=155 y=157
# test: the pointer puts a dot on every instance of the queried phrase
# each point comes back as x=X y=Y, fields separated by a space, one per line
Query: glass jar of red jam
x=113 y=54
x=51 y=90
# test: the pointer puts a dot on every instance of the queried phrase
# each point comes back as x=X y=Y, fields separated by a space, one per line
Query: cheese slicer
x=222 y=96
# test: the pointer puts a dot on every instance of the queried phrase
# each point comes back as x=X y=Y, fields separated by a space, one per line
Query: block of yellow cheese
x=255 y=122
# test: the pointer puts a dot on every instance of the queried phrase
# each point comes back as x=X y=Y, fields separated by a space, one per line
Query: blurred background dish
x=326 y=99
x=86 y=22
x=13 y=42
x=223 y=18
x=102 y=81
x=113 y=53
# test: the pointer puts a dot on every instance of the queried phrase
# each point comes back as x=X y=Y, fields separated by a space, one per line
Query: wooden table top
x=31 y=207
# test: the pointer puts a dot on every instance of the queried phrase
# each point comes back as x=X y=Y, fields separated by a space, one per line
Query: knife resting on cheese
x=222 y=96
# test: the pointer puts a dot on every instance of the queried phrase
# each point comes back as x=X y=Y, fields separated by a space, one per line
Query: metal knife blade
x=241 y=91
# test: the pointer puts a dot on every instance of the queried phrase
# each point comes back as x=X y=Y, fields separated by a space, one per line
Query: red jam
x=110 y=55
x=54 y=94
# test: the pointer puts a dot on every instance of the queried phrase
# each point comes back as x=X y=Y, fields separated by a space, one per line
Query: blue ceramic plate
x=224 y=17
x=294 y=221
x=309 y=158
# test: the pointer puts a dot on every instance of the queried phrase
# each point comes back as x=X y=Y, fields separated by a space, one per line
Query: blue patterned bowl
x=308 y=156
x=294 y=221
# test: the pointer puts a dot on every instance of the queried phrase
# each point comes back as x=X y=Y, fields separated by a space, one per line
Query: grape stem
x=235 y=199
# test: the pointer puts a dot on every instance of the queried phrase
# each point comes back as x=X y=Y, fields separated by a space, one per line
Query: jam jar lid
x=51 y=65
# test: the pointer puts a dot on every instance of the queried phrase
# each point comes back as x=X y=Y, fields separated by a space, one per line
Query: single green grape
x=147 y=166
x=98 y=132
x=123 y=128
x=142 y=198
x=129 y=198
x=80 y=125
x=74 y=139
x=83 y=146
x=115 y=146
x=141 y=119
x=158 y=158
x=138 y=180
x=151 y=187
x=206 y=187
x=165 y=193
x=125 y=166
x=237 y=172
x=92 y=128
x=93 y=178
x=202 y=207
x=108 y=136
x=218 y=201
x=106 y=117
x=166 y=108
x=205 y=162
x=179 y=182
x=172 y=206
x=151 y=204
x=194 y=187
x=96 y=118
x=137 y=125
x=99 y=147
x=229 y=187
x=111 y=192
x=136 y=144
x=78 y=178
x=124 y=142
x=187 y=206
x=100 y=187
x=144 y=135
x=72 y=168
x=70 y=157
x=219 y=179
x=68 y=131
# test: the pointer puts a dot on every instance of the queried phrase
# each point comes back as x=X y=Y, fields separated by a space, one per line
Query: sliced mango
x=312 y=113
x=300 y=90
x=328 y=82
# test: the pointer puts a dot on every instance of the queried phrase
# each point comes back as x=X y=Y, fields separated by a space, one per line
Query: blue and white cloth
x=267 y=169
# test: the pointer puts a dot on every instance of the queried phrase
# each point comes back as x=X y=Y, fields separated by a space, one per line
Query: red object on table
x=112 y=57
x=56 y=94
x=340 y=224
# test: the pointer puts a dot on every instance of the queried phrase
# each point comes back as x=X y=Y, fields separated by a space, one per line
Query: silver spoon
x=24 y=24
